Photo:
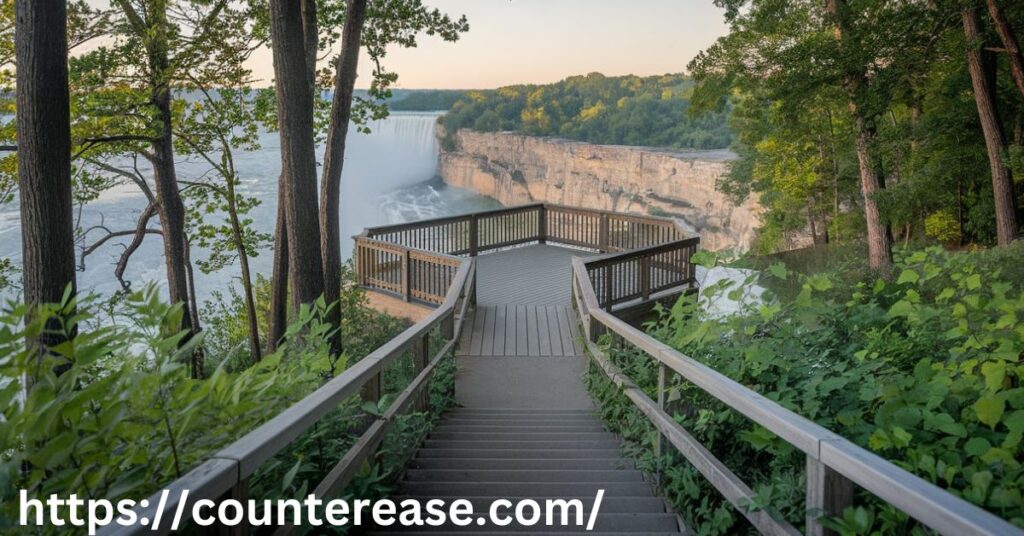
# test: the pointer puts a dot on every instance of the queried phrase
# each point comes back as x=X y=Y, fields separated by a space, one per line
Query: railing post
x=645 y=278
x=406 y=276
x=240 y=493
x=659 y=439
x=474 y=239
x=828 y=493
x=420 y=358
x=542 y=225
x=602 y=235
x=371 y=389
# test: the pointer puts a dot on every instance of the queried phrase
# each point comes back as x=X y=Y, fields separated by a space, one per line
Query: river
x=390 y=176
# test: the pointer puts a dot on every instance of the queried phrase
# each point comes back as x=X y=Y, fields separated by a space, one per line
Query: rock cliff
x=516 y=169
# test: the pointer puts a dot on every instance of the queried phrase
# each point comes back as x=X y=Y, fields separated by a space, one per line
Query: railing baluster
x=420 y=358
x=406 y=273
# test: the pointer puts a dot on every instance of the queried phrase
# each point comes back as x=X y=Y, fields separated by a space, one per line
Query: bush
x=924 y=370
x=943 y=227
x=124 y=417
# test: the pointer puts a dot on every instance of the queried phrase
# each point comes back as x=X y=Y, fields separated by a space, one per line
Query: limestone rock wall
x=516 y=169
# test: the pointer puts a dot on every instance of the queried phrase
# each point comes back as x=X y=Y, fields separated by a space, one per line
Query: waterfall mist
x=389 y=177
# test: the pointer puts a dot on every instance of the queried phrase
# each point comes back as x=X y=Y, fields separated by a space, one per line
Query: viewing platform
x=529 y=299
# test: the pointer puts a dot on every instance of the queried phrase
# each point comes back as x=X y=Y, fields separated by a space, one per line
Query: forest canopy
x=618 y=110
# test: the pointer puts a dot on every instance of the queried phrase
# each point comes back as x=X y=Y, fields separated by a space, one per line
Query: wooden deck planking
x=543 y=335
x=530 y=275
x=522 y=331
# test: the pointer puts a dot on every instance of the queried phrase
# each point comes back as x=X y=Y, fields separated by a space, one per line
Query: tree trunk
x=243 y=261
x=298 y=157
x=879 y=236
x=278 y=321
x=334 y=161
x=879 y=241
x=44 y=157
x=1010 y=43
x=984 y=98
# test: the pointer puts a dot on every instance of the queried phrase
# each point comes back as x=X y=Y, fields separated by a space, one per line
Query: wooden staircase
x=487 y=454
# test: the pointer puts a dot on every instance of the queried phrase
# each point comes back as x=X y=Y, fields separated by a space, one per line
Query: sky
x=543 y=41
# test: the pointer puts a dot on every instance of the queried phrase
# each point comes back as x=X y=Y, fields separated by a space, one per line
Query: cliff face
x=516 y=169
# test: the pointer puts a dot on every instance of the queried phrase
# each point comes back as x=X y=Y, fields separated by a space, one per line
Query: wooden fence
x=834 y=464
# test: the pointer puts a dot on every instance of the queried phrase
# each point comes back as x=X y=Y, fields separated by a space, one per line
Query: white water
x=389 y=177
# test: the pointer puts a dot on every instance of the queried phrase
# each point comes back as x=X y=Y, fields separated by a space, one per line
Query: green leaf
x=989 y=410
x=290 y=476
x=976 y=446
x=994 y=373
x=973 y=281
x=778 y=270
x=908 y=276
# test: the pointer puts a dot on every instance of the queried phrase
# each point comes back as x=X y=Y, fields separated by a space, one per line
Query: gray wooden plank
x=479 y=320
x=499 y=331
x=574 y=330
x=543 y=335
x=554 y=331
x=568 y=348
x=532 y=333
x=522 y=346
x=487 y=346
x=510 y=330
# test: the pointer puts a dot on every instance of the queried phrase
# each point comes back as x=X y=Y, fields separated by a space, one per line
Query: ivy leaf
x=989 y=409
x=973 y=281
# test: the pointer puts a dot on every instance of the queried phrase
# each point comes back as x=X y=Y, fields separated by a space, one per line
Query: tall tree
x=871 y=181
x=995 y=141
x=44 y=154
x=298 y=160
x=334 y=158
x=152 y=27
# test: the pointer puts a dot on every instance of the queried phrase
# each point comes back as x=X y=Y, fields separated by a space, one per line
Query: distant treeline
x=424 y=100
x=620 y=110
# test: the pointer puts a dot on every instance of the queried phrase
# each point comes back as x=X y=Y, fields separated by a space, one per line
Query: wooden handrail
x=834 y=463
x=226 y=473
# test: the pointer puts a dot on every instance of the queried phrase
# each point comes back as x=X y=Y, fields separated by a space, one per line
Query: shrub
x=924 y=370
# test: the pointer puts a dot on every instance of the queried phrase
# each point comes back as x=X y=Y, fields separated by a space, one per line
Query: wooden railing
x=226 y=474
x=413 y=274
x=638 y=274
x=834 y=464
x=415 y=260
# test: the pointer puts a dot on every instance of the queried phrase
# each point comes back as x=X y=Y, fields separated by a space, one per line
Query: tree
x=298 y=160
x=1010 y=44
x=856 y=84
x=44 y=156
x=382 y=25
x=995 y=141
x=334 y=159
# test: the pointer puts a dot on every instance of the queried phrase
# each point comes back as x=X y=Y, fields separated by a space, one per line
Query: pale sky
x=542 y=41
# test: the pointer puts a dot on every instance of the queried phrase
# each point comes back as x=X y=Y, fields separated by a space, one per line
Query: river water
x=390 y=176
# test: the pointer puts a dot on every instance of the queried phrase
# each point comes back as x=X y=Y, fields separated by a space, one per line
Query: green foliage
x=924 y=370
x=123 y=417
x=425 y=100
x=623 y=110
x=793 y=78
x=943 y=227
